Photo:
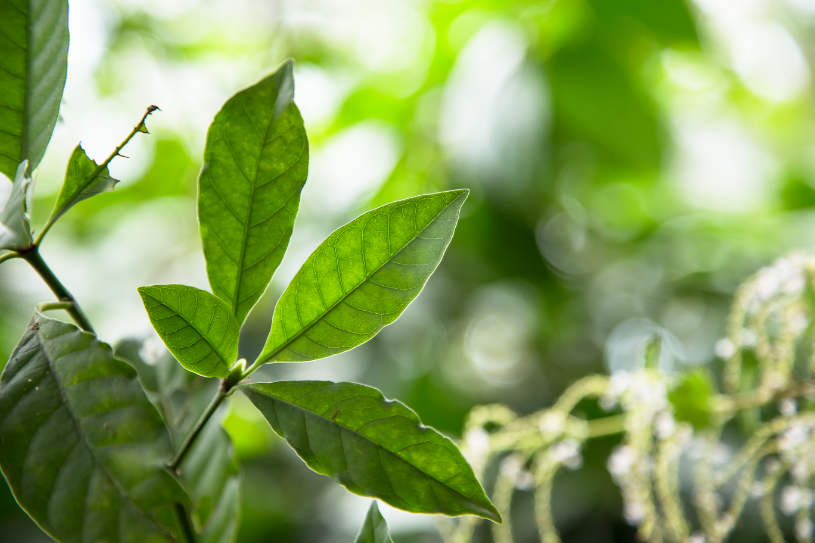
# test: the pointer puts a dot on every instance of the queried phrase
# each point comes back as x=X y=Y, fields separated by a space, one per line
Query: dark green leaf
x=80 y=445
x=255 y=165
x=15 y=230
x=692 y=399
x=209 y=471
x=372 y=446
x=83 y=179
x=375 y=529
x=362 y=277
x=196 y=326
x=33 y=63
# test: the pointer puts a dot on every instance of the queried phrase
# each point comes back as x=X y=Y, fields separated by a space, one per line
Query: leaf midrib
x=377 y=445
x=194 y=327
x=28 y=85
x=97 y=462
x=333 y=306
x=246 y=225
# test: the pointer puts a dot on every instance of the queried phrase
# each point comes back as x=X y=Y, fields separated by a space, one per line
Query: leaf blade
x=372 y=446
x=74 y=422
x=196 y=327
x=83 y=178
x=358 y=283
x=15 y=230
x=374 y=529
x=33 y=66
x=249 y=188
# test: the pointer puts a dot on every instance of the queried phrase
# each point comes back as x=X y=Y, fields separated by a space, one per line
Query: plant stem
x=605 y=426
x=183 y=517
x=9 y=256
x=33 y=257
x=199 y=425
x=140 y=127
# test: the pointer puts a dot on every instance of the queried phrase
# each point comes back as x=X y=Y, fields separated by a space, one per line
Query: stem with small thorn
x=140 y=127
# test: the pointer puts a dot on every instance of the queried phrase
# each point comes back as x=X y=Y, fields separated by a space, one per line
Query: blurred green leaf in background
x=630 y=162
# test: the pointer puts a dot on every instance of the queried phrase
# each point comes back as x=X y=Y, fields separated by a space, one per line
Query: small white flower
x=621 y=461
x=791 y=499
x=567 y=452
x=524 y=480
x=748 y=338
x=803 y=528
x=801 y=470
x=477 y=442
x=796 y=435
x=665 y=425
x=696 y=538
x=511 y=466
x=634 y=512
x=552 y=423
x=724 y=348
x=787 y=407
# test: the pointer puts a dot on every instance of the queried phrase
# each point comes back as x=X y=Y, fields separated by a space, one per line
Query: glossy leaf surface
x=372 y=446
x=209 y=471
x=83 y=179
x=196 y=326
x=362 y=277
x=80 y=444
x=375 y=529
x=255 y=165
x=33 y=64
x=15 y=230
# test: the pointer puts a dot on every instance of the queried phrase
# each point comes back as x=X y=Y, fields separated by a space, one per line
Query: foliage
x=128 y=446
x=673 y=423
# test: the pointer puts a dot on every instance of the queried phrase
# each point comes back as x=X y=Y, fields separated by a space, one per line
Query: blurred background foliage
x=631 y=161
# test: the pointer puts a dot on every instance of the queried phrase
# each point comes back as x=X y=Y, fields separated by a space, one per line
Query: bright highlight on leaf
x=362 y=277
x=83 y=178
x=196 y=326
x=15 y=231
x=375 y=529
x=372 y=446
x=33 y=64
x=255 y=165
x=80 y=445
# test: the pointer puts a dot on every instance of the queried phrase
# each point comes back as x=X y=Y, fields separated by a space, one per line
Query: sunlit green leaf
x=15 y=230
x=372 y=446
x=33 y=64
x=362 y=277
x=375 y=529
x=83 y=179
x=255 y=165
x=196 y=326
x=209 y=471
x=80 y=445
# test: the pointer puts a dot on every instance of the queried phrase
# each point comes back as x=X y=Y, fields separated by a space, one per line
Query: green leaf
x=83 y=178
x=375 y=529
x=255 y=165
x=15 y=230
x=196 y=326
x=33 y=64
x=80 y=445
x=362 y=277
x=691 y=399
x=209 y=471
x=372 y=446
